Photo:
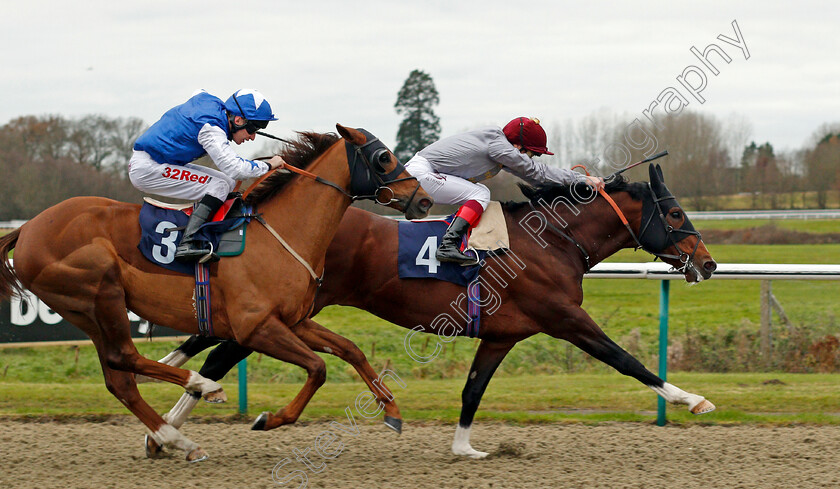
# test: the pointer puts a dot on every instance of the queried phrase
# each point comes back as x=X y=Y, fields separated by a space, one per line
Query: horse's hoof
x=394 y=423
x=469 y=452
x=197 y=455
x=703 y=407
x=153 y=450
x=215 y=397
x=260 y=422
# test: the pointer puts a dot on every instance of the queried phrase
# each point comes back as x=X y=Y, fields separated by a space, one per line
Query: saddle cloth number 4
x=426 y=256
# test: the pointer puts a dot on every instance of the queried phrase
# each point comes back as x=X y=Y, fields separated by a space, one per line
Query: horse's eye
x=676 y=214
x=384 y=158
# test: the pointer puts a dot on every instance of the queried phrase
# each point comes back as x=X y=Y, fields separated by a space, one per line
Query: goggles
x=254 y=126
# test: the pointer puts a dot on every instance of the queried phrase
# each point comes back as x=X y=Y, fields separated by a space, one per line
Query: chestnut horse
x=554 y=246
x=80 y=257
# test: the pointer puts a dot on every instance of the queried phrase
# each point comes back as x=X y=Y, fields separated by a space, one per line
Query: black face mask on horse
x=655 y=233
x=370 y=179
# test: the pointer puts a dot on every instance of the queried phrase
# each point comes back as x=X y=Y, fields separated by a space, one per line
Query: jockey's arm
x=214 y=140
x=529 y=169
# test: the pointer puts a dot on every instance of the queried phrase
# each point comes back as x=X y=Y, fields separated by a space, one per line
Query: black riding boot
x=450 y=246
x=190 y=250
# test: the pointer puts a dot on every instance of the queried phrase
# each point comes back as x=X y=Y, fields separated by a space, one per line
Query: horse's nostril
x=425 y=204
x=710 y=266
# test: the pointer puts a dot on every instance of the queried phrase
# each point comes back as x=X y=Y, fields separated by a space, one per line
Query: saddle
x=419 y=239
x=161 y=223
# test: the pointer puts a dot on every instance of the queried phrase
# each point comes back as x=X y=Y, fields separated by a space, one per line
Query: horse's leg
x=122 y=386
x=193 y=346
x=218 y=363
x=275 y=339
x=580 y=330
x=319 y=338
x=487 y=358
x=112 y=320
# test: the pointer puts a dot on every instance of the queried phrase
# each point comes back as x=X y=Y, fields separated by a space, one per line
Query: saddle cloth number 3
x=426 y=256
x=165 y=251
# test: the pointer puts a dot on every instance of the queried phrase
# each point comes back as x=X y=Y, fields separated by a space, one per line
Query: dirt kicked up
x=616 y=455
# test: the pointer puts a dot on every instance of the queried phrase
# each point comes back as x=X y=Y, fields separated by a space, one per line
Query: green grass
x=816 y=226
x=66 y=380
x=741 y=398
x=795 y=200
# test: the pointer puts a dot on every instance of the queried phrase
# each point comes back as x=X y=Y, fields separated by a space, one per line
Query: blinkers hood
x=367 y=168
x=659 y=236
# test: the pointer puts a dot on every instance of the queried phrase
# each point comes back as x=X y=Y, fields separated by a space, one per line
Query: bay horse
x=554 y=243
x=80 y=257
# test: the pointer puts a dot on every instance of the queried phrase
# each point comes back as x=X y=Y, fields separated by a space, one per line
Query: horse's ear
x=659 y=171
x=654 y=177
x=351 y=134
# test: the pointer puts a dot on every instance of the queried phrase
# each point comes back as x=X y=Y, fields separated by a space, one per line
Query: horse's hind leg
x=218 y=363
x=118 y=347
x=191 y=347
x=487 y=358
x=583 y=332
x=276 y=340
x=122 y=386
x=319 y=338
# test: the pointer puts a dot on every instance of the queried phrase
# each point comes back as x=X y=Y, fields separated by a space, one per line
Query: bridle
x=651 y=239
x=374 y=155
x=656 y=239
x=367 y=180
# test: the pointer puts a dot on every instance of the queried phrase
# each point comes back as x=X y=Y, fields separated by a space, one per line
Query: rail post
x=665 y=289
x=243 y=386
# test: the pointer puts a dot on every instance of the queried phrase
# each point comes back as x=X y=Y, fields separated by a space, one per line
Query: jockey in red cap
x=450 y=171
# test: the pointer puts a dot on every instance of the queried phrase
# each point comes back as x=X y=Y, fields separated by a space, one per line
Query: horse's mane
x=299 y=153
x=549 y=192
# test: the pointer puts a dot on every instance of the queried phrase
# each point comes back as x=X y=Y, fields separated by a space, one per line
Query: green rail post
x=243 y=386
x=663 y=346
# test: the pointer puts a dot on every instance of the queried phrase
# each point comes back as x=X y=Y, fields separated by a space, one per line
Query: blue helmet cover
x=250 y=104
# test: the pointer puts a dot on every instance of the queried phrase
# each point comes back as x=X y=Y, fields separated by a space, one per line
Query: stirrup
x=210 y=257
x=474 y=261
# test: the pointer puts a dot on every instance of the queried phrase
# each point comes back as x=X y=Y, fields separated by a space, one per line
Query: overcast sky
x=322 y=61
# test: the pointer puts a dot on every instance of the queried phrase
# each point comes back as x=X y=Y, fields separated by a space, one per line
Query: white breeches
x=190 y=182
x=446 y=189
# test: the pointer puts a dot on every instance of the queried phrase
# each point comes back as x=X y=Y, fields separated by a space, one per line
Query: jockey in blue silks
x=204 y=125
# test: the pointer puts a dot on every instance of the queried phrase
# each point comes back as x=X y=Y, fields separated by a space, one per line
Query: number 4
x=426 y=256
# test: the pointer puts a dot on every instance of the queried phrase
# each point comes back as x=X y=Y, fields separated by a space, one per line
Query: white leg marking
x=168 y=436
x=176 y=358
x=461 y=444
x=675 y=395
x=197 y=383
x=179 y=412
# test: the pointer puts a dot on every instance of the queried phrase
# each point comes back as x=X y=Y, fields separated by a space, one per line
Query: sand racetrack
x=616 y=455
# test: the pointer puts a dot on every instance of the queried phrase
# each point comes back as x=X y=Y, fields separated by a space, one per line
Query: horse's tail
x=9 y=283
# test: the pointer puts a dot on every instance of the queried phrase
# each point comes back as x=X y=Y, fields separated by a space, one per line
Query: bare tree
x=822 y=162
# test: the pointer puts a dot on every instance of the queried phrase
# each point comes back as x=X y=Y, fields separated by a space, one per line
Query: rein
x=683 y=257
x=377 y=152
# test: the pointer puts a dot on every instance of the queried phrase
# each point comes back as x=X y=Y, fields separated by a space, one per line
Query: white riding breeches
x=446 y=189
x=190 y=182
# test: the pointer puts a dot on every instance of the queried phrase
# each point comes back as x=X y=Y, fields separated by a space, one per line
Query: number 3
x=161 y=254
